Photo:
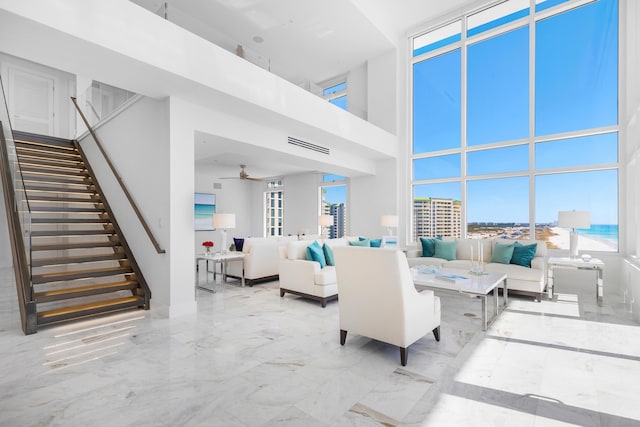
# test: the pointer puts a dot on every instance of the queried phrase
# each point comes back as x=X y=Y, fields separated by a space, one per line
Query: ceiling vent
x=307 y=145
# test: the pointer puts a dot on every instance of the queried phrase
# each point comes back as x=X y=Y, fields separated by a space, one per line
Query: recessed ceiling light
x=258 y=39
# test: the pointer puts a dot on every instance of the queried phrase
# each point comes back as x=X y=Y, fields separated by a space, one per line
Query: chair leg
x=436 y=333
x=281 y=293
x=404 y=352
x=343 y=336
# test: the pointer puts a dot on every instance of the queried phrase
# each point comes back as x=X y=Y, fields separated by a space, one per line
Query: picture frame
x=204 y=208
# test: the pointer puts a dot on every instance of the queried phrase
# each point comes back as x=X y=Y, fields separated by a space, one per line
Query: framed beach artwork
x=204 y=208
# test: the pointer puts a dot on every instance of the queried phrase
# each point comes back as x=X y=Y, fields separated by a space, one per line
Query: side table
x=577 y=264
x=223 y=259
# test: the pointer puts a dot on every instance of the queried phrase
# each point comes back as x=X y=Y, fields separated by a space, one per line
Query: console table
x=577 y=264
x=222 y=259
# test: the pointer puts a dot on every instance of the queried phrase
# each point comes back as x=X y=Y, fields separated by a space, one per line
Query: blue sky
x=575 y=89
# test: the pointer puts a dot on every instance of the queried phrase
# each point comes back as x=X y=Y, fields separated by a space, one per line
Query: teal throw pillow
x=502 y=253
x=375 y=243
x=315 y=253
x=523 y=254
x=428 y=246
x=328 y=254
x=364 y=242
x=445 y=250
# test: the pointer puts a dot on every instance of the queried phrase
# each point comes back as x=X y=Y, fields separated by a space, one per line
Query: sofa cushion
x=297 y=250
x=328 y=254
x=428 y=246
x=502 y=253
x=523 y=254
x=340 y=241
x=364 y=242
x=326 y=276
x=315 y=253
x=445 y=250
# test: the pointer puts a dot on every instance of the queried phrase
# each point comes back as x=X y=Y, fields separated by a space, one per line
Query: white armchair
x=379 y=300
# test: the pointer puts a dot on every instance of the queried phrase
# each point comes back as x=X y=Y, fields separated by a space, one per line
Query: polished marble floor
x=251 y=358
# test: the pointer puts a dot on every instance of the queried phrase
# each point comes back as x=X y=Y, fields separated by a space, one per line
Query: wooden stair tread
x=64 y=199
x=49 y=171
x=81 y=245
x=60 y=276
x=66 y=209
x=26 y=158
x=44 y=155
x=53 y=233
x=44 y=262
x=39 y=188
x=70 y=220
x=56 y=179
x=63 y=313
x=60 y=145
x=81 y=291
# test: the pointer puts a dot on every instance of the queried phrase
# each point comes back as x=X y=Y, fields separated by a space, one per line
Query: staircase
x=81 y=264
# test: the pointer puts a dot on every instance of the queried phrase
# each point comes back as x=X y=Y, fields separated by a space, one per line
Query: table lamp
x=224 y=221
x=325 y=221
x=573 y=220
x=390 y=222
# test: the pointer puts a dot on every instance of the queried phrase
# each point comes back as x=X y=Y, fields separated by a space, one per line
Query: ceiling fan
x=243 y=175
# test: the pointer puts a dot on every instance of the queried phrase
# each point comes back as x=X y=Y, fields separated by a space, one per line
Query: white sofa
x=299 y=276
x=379 y=300
x=261 y=257
x=519 y=278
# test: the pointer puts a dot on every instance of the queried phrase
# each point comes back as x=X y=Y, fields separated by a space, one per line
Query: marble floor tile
x=251 y=358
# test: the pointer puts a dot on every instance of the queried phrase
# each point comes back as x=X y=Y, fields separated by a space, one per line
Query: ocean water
x=607 y=233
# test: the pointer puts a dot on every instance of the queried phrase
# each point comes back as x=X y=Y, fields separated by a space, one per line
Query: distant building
x=434 y=217
x=338 y=211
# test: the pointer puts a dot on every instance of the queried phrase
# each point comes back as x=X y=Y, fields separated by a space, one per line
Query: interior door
x=31 y=101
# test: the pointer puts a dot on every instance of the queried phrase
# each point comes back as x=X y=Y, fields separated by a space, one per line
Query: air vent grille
x=307 y=145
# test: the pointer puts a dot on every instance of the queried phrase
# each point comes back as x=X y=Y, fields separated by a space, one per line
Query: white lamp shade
x=224 y=220
x=574 y=219
x=325 y=220
x=389 y=221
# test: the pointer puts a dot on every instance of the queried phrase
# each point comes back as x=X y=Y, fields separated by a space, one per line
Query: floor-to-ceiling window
x=333 y=201
x=274 y=198
x=515 y=118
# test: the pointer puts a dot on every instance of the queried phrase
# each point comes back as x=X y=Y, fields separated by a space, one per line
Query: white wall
x=357 y=91
x=234 y=196
x=372 y=196
x=381 y=91
x=137 y=141
x=301 y=202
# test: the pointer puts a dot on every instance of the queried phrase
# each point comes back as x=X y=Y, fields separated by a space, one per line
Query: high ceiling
x=307 y=42
x=304 y=40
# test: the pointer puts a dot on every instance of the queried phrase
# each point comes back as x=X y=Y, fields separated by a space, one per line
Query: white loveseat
x=519 y=278
x=299 y=276
x=261 y=257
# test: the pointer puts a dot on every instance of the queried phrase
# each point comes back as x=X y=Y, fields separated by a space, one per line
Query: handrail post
x=133 y=204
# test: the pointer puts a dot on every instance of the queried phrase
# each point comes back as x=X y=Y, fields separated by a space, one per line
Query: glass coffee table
x=461 y=281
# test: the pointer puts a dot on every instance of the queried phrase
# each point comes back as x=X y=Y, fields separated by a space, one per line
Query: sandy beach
x=559 y=238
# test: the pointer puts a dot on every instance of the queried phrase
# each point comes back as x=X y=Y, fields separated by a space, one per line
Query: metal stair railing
x=18 y=218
